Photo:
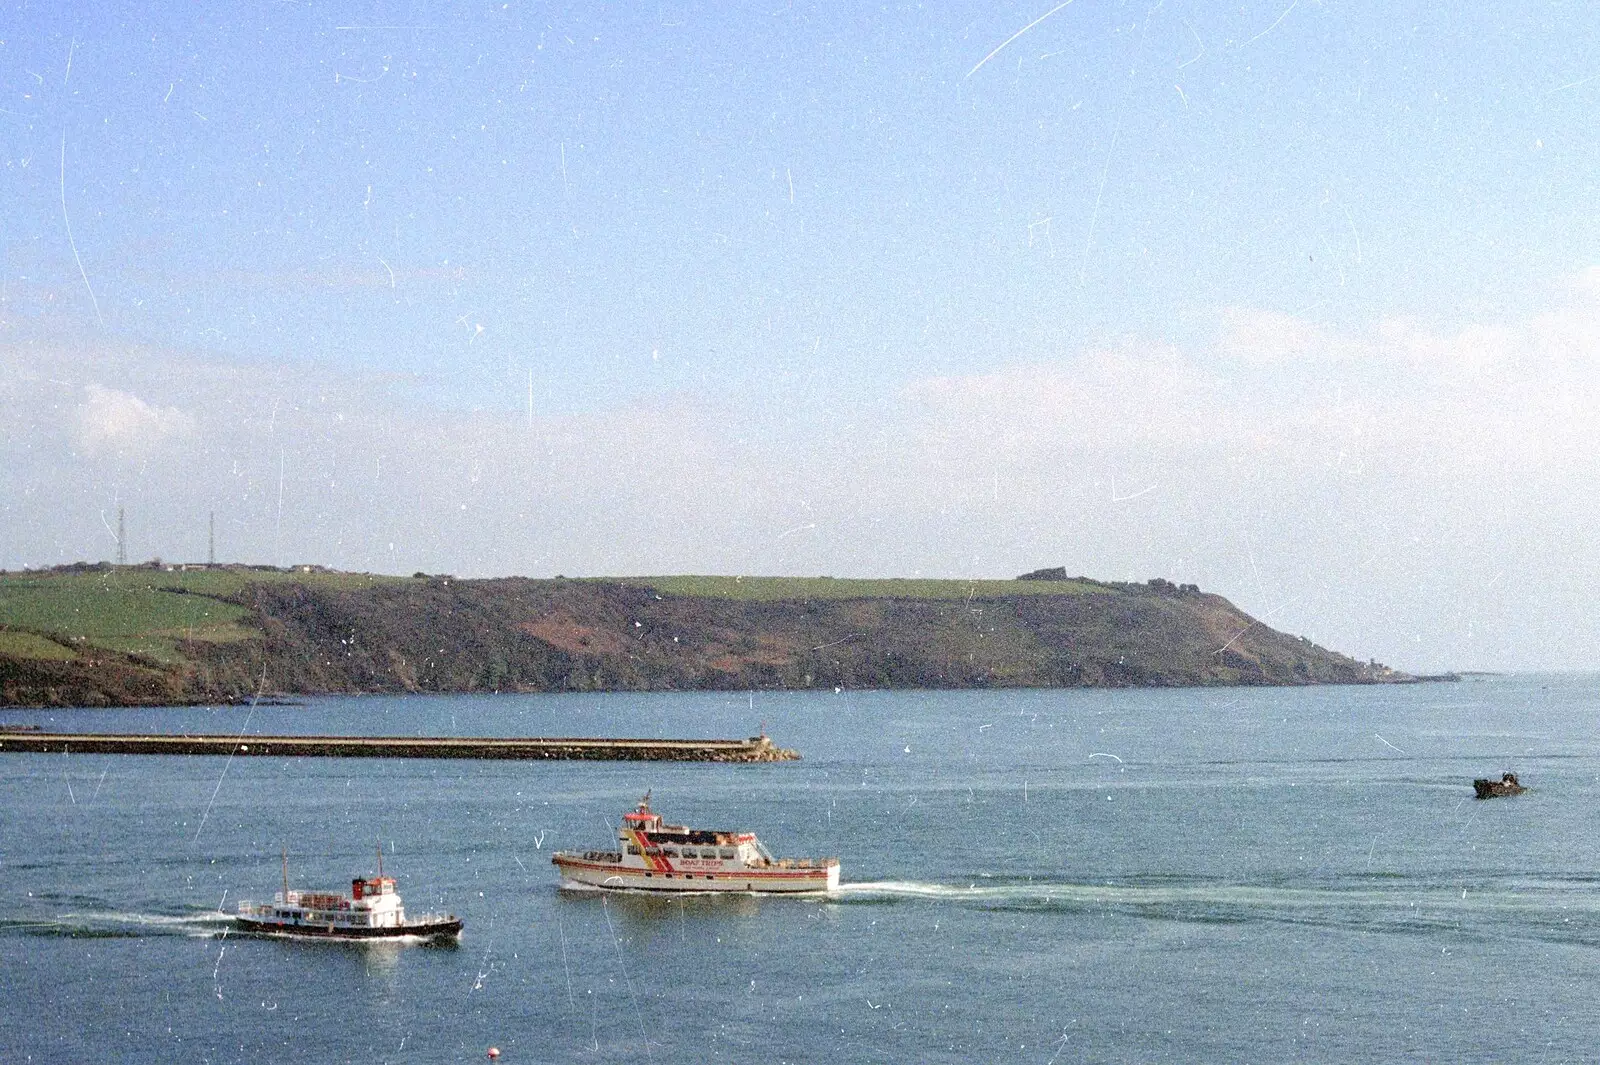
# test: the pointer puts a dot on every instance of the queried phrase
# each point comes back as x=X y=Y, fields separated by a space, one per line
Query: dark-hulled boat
x=1496 y=789
x=372 y=910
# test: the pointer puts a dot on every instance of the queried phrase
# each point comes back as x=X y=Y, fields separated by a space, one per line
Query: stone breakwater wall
x=755 y=749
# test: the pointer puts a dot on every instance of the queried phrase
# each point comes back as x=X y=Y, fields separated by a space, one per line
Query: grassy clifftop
x=148 y=634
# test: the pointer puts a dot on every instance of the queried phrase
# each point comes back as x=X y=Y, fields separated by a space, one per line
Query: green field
x=28 y=645
x=136 y=609
x=773 y=588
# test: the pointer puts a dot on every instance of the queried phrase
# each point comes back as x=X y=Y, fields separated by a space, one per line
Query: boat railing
x=312 y=900
x=805 y=863
x=602 y=856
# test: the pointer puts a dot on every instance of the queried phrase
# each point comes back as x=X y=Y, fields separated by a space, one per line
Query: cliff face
x=447 y=635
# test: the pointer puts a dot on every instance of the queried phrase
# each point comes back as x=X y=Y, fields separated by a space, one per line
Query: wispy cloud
x=109 y=421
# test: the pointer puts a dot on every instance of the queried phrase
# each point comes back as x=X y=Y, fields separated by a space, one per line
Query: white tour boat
x=372 y=910
x=656 y=856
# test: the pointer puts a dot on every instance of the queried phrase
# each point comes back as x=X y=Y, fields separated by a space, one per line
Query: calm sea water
x=1036 y=877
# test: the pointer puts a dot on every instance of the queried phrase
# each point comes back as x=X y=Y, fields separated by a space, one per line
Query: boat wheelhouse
x=656 y=856
x=372 y=910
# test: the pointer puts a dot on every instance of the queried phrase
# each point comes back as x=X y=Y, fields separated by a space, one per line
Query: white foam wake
x=1224 y=899
x=203 y=922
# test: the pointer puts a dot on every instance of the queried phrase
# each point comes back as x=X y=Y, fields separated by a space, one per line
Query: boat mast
x=380 y=859
x=286 y=876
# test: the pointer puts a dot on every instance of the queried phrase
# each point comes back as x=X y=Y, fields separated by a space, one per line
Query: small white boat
x=372 y=910
x=656 y=856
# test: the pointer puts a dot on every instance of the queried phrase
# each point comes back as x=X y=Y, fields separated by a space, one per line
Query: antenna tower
x=211 y=553
x=122 y=539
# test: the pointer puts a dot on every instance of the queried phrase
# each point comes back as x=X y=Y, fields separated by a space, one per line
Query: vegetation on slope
x=766 y=589
x=101 y=635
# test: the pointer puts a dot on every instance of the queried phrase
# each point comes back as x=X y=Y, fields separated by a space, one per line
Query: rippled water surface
x=1029 y=876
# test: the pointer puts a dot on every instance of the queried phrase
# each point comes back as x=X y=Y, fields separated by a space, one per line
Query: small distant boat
x=656 y=856
x=372 y=910
x=1496 y=789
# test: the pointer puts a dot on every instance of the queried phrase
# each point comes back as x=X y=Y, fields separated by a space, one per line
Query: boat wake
x=113 y=924
x=1555 y=910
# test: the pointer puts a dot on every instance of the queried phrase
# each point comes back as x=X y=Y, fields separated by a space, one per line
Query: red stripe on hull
x=726 y=880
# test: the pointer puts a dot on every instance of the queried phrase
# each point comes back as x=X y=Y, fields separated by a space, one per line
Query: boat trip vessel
x=656 y=856
x=372 y=910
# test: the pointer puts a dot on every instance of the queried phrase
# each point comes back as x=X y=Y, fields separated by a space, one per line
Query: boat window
x=690 y=852
x=727 y=852
x=633 y=848
x=670 y=852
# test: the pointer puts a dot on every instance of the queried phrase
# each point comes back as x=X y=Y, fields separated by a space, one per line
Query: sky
x=1295 y=300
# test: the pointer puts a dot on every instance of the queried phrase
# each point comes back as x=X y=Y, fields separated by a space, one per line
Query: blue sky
x=1294 y=300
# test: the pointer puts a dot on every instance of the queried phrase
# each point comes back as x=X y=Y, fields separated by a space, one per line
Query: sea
x=1036 y=876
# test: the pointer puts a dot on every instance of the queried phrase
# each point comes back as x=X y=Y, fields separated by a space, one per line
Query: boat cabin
x=371 y=887
x=649 y=842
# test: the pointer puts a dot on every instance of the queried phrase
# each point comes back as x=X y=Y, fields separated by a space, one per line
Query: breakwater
x=755 y=749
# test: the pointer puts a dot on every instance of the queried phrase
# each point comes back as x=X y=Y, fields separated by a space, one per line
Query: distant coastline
x=160 y=634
